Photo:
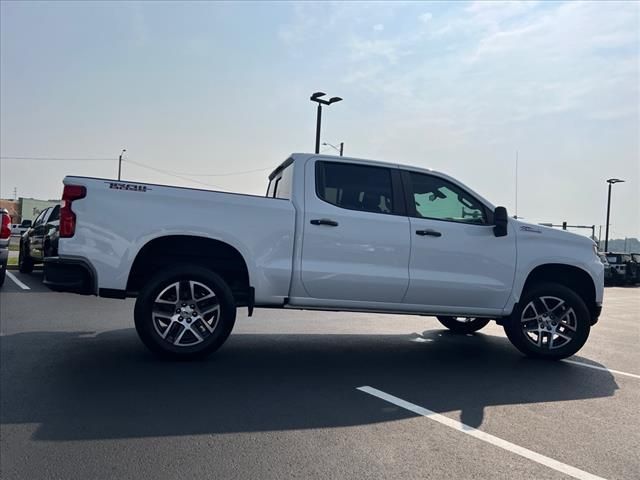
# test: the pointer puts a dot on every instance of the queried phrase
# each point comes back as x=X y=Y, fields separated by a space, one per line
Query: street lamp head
x=615 y=180
x=334 y=100
x=317 y=95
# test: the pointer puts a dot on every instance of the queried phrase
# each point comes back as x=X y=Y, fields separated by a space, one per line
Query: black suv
x=623 y=269
x=41 y=240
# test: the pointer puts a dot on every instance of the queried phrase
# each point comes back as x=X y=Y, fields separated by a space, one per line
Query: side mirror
x=26 y=223
x=500 y=220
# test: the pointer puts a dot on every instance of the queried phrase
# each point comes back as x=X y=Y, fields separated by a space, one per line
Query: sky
x=203 y=90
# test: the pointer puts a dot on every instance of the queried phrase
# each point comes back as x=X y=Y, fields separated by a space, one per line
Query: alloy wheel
x=185 y=313
x=548 y=322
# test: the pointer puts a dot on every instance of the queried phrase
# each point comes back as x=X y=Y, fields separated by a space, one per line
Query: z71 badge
x=127 y=186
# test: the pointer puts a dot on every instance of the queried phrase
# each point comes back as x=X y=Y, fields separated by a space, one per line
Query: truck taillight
x=67 y=217
x=5 y=228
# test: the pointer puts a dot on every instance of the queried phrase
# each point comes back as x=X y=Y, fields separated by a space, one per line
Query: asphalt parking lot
x=309 y=395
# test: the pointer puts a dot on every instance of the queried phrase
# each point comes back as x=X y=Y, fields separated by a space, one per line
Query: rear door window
x=355 y=187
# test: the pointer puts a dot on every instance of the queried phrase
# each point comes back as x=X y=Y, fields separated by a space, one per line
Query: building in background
x=13 y=207
x=26 y=208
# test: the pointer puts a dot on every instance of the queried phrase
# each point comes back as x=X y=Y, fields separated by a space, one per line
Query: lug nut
x=194 y=314
x=178 y=310
x=184 y=304
x=188 y=320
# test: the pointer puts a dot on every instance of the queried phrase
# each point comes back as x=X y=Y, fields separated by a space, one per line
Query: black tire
x=25 y=262
x=463 y=324
x=47 y=251
x=544 y=332
x=150 y=330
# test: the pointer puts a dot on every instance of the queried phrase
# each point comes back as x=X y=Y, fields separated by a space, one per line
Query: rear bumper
x=69 y=275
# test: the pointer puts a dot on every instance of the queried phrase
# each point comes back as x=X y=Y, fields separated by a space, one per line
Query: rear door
x=355 y=233
x=456 y=261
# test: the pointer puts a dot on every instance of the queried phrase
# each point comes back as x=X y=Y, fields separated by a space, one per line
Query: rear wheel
x=551 y=321
x=25 y=262
x=464 y=324
x=185 y=312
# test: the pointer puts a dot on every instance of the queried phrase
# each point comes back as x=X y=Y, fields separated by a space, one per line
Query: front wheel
x=463 y=324
x=550 y=321
x=185 y=312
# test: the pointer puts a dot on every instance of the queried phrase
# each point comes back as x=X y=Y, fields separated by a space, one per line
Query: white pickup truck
x=332 y=233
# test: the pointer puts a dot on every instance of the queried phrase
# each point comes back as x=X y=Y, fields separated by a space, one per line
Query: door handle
x=324 y=221
x=431 y=233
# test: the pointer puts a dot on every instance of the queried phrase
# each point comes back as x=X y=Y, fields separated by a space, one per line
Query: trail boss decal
x=127 y=186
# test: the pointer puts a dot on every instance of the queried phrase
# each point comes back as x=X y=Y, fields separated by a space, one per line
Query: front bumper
x=69 y=275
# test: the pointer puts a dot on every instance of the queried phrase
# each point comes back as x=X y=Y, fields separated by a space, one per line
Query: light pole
x=120 y=162
x=340 y=150
x=316 y=98
x=611 y=181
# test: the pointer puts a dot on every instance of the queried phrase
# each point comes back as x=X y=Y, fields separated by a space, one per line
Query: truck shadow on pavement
x=81 y=386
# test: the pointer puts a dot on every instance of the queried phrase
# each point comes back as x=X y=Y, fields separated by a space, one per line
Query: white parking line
x=604 y=369
x=16 y=281
x=485 y=437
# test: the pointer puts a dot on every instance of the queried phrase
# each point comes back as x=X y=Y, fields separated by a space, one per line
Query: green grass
x=12 y=261
x=14 y=246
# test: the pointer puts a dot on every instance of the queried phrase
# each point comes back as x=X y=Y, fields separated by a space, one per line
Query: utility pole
x=611 y=181
x=339 y=150
x=599 y=236
x=516 y=184
x=120 y=162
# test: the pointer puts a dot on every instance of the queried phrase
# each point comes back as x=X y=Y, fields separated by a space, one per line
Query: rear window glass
x=55 y=214
x=283 y=184
x=280 y=186
x=355 y=187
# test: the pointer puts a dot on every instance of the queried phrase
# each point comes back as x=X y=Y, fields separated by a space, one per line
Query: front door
x=456 y=260
x=355 y=233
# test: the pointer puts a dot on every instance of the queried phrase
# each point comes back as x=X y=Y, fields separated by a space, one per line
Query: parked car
x=40 y=240
x=608 y=273
x=17 y=229
x=332 y=233
x=636 y=258
x=5 y=238
x=622 y=267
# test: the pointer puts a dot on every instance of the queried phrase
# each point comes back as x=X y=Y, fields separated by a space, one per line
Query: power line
x=63 y=159
x=165 y=172
x=60 y=159
x=229 y=174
